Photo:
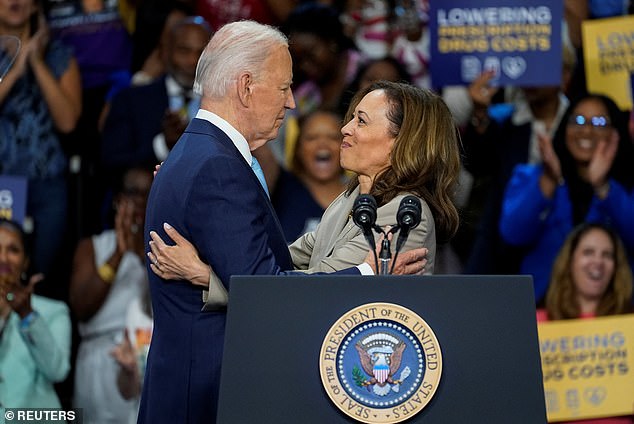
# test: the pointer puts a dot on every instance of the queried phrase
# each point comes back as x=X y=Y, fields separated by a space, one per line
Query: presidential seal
x=380 y=363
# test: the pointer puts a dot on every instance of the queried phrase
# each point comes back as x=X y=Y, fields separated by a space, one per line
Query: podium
x=485 y=327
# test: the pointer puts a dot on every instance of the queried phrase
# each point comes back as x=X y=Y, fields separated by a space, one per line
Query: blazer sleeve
x=301 y=250
x=48 y=338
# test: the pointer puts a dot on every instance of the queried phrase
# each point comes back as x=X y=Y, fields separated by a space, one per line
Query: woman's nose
x=346 y=129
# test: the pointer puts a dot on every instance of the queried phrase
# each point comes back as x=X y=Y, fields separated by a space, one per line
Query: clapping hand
x=129 y=232
x=602 y=159
x=36 y=46
x=552 y=175
x=18 y=295
x=552 y=166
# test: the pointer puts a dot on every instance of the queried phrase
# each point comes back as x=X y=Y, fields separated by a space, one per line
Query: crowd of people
x=100 y=93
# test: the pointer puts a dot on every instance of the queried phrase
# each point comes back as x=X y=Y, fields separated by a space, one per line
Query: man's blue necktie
x=255 y=165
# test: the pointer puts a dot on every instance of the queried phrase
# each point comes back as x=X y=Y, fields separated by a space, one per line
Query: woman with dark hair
x=35 y=332
x=422 y=158
x=585 y=177
x=399 y=140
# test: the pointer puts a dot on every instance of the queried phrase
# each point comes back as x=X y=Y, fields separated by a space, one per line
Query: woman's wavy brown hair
x=425 y=159
x=561 y=300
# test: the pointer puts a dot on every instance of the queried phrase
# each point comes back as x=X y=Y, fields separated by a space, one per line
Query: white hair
x=236 y=47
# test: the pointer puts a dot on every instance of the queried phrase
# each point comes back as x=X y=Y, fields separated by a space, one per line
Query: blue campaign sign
x=13 y=197
x=520 y=40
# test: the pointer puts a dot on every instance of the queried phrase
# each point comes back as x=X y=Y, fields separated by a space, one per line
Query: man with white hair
x=208 y=189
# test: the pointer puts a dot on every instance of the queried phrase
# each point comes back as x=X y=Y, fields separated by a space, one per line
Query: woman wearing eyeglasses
x=586 y=175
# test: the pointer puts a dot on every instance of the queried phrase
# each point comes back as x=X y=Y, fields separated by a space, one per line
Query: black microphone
x=364 y=217
x=407 y=217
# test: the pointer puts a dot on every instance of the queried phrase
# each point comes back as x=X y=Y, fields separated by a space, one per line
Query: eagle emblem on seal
x=380 y=355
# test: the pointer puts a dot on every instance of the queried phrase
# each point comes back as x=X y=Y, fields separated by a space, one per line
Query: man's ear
x=245 y=88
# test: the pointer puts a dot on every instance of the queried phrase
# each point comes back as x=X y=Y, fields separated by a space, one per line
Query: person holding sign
x=591 y=277
x=501 y=134
x=585 y=176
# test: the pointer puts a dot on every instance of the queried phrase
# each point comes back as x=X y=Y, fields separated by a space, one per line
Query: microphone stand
x=364 y=212
x=399 y=243
x=385 y=255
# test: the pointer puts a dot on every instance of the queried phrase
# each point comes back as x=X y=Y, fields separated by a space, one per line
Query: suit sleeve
x=49 y=341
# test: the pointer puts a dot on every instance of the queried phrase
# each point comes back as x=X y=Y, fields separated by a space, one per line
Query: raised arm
x=62 y=94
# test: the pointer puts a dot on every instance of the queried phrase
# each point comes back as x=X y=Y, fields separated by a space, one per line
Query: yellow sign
x=588 y=367
x=608 y=49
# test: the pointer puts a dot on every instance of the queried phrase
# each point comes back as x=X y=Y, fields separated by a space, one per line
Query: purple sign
x=520 y=40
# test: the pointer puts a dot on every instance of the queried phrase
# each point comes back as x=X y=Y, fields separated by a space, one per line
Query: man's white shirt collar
x=238 y=139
